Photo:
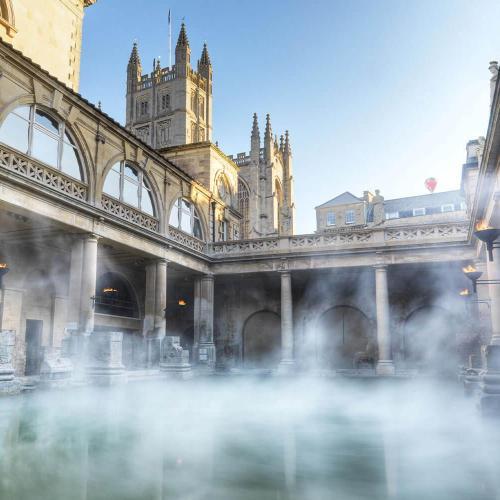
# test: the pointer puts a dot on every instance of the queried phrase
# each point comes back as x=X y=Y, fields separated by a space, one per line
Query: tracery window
x=243 y=207
x=165 y=101
x=39 y=134
x=126 y=183
x=184 y=216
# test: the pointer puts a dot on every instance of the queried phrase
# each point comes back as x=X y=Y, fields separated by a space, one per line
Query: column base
x=204 y=358
x=286 y=367
x=385 y=368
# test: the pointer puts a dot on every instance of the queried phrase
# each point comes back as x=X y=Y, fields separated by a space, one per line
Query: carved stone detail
x=186 y=239
x=129 y=214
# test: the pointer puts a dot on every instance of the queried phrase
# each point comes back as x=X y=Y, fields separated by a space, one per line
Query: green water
x=249 y=439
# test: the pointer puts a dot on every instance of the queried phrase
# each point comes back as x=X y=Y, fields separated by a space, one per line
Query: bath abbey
x=142 y=250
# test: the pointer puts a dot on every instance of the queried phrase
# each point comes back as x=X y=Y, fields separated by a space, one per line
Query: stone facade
x=118 y=242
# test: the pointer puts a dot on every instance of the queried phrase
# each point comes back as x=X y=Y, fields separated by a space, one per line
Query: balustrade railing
x=42 y=174
x=129 y=213
x=186 y=239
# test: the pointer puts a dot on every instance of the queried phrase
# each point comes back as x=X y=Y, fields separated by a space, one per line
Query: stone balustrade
x=345 y=238
x=35 y=171
x=186 y=239
x=129 y=213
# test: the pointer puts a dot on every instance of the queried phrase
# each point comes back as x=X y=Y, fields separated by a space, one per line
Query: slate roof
x=431 y=200
x=341 y=199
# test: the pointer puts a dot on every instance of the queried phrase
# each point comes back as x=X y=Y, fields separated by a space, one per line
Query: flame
x=182 y=302
x=481 y=225
x=109 y=290
x=464 y=292
x=3 y=266
x=469 y=269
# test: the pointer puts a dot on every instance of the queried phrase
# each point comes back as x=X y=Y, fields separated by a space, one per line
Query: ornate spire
x=205 y=58
x=287 y=149
x=255 y=126
x=134 y=56
x=268 y=136
x=282 y=143
x=183 y=41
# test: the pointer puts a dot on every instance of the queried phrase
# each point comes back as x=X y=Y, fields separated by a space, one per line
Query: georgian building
x=149 y=229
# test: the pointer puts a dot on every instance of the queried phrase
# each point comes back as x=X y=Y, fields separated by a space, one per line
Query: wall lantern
x=182 y=303
x=487 y=235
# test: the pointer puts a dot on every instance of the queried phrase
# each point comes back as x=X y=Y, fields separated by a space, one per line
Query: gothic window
x=202 y=108
x=184 y=216
x=223 y=189
x=39 y=134
x=193 y=102
x=165 y=102
x=143 y=134
x=243 y=207
x=349 y=217
x=202 y=134
x=143 y=108
x=194 y=135
x=127 y=183
x=164 y=133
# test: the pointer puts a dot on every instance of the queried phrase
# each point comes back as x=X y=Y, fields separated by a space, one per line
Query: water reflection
x=238 y=440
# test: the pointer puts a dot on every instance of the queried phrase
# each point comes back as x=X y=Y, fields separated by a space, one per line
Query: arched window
x=39 y=134
x=114 y=296
x=243 y=207
x=223 y=189
x=126 y=183
x=184 y=216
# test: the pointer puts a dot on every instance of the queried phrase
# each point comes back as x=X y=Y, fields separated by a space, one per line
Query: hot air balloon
x=430 y=184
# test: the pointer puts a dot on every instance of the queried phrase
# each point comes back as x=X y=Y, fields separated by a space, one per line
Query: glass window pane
x=174 y=215
x=23 y=112
x=130 y=172
x=116 y=167
x=197 y=229
x=69 y=162
x=185 y=223
x=44 y=147
x=186 y=205
x=130 y=193
x=47 y=121
x=146 y=201
x=112 y=184
x=14 y=132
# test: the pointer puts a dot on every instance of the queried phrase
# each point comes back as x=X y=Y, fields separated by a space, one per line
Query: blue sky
x=376 y=94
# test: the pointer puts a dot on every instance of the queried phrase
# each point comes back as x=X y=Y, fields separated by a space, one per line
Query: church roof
x=341 y=199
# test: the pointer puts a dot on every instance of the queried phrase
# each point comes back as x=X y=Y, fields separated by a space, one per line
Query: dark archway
x=114 y=296
x=262 y=340
x=342 y=333
x=429 y=340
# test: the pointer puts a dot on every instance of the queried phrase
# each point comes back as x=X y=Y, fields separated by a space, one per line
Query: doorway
x=34 y=328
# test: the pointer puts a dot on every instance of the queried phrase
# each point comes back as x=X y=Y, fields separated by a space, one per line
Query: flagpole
x=169 y=40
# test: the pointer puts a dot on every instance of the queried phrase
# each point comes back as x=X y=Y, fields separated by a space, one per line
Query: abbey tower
x=170 y=106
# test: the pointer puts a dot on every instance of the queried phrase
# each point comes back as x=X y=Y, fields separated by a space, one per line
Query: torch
x=487 y=235
x=473 y=274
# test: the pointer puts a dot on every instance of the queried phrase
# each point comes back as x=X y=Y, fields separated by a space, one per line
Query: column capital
x=207 y=277
x=381 y=267
x=90 y=236
x=283 y=267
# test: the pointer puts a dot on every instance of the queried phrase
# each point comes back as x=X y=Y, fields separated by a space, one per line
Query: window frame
x=329 y=216
x=64 y=137
x=392 y=215
x=142 y=184
x=443 y=210
x=194 y=217
x=347 y=219
x=416 y=211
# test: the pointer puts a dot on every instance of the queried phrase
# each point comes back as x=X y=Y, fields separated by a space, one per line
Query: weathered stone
x=56 y=370
x=489 y=401
x=174 y=359
x=8 y=383
x=104 y=364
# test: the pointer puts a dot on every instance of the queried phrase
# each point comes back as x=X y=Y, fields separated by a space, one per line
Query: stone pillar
x=385 y=365
x=89 y=277
x=204 y=324
x=287 y=358
x=156 y=280
x=494 y=292
x=7 y=346
x=104 y=365
x=75 y=285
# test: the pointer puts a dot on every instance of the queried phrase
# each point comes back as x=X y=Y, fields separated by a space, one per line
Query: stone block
x=8 y=382
x=174 y=360
x=104 y=360
x=56 y=370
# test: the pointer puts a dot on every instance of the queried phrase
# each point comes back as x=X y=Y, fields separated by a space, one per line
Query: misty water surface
x=254 y=439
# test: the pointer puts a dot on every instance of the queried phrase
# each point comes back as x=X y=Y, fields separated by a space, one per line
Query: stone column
x=89 y=277
x=75 y=285
x=156 y=285
x=287 y=358
x=385 y=365
x=494 y=292
x=205 y=356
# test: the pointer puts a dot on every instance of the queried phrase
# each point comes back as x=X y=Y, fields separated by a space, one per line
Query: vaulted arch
x=262 y=340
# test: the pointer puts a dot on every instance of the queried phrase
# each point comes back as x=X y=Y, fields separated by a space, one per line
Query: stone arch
x=343 y=333
x=221 y=177
x=203 y=223
x=429 y=341
x=86 y=164
x=116 y=296
x=262 y=340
